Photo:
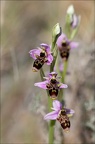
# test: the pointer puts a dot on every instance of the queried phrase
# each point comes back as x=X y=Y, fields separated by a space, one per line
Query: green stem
x=63 y=79
x=64 y=71
x=51 y=131
x=51 y=124
x=57 y=66
x=42 y=74
x=49 y=103
x=55 y=53
x=54 y=50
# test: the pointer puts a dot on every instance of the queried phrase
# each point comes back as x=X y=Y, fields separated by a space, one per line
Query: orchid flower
x=41 y=55
x=64 y=45
x=51 y=84
x=61 y=114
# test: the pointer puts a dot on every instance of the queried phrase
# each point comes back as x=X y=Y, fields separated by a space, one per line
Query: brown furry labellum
x=39 y=62
x=64 y=51
x=64 y=120
x=53 y=87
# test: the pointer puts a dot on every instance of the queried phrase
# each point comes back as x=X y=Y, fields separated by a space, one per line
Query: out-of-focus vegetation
x=24 y=25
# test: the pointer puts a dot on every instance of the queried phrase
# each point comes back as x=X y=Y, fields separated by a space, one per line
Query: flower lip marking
x=64 y=120
x=38 y=63
x=53 y=93
x=53 y=87
x=53 y=80
x=42 y=54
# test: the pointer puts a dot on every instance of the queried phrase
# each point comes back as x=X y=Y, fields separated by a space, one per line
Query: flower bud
x=70 y=10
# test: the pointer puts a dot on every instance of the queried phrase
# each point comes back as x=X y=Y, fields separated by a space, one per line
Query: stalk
x=64 y=71
x=55 y=33
x=51 y=124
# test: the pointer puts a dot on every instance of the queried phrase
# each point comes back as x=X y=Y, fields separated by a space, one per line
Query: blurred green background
x=24 y=25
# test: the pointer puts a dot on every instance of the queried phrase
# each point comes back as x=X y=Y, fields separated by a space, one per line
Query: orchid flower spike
x=61 y=114
x=52 y=85
x=41 y=55
x=64 y=45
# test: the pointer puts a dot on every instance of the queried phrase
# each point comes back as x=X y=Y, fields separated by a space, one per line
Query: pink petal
x=51 y=116
x=60 y=40
x=57 y=105
x=47 y=47
x=69 y=112
x=41 y=84
x=74 y=44
x=34 y=52
x=50 y=59
x=63 y=85
x=75 y=21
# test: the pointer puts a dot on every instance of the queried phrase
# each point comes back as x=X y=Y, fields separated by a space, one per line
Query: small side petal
x=41 y=84
x=63 y=85
x=51 y=116
x=74 y=45
x=34 y=52
x=69 y=112
x=57 y=105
